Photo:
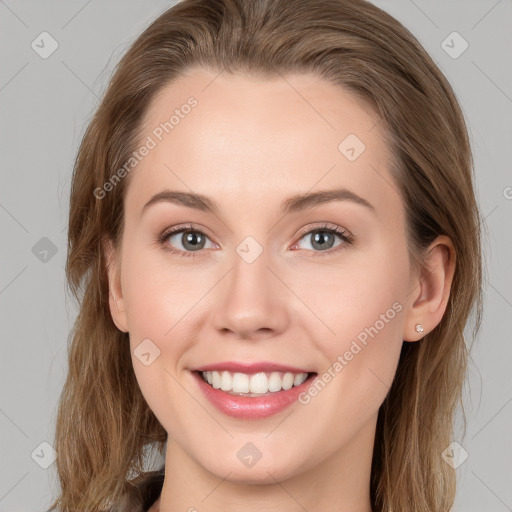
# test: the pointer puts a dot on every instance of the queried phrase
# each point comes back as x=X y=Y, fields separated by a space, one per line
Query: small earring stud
x=419 y=328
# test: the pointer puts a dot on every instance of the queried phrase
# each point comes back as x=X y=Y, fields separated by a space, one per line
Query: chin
x=266 y=470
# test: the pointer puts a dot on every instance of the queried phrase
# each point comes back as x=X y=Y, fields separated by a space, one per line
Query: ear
x=431 y=290
x=115 y=295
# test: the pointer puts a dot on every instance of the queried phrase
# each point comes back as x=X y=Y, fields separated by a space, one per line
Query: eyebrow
x=293 y=204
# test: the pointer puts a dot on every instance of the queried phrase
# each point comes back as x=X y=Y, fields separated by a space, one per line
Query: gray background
x=45 y=105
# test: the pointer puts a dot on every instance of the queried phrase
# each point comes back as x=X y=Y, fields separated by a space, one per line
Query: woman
x=275 y=242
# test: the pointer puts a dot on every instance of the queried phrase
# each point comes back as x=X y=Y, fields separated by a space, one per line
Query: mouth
x=253 y=384
x=252 y=396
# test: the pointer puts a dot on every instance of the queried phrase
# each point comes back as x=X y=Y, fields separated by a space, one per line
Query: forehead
x=261 y=138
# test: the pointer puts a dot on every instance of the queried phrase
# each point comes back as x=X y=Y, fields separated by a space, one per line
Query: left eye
x=323 y=238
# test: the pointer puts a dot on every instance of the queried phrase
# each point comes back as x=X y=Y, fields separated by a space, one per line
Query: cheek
x=156 y=304
x=364 y=289
x=159 y=308
x=363 y=305
x=157 y=294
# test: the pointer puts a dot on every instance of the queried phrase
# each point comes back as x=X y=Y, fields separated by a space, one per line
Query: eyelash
x=329 y=228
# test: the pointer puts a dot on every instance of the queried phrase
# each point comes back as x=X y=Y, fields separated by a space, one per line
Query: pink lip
x=250 y=368
x=247 y=407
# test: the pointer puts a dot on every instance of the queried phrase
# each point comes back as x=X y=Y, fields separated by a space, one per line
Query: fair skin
x=248 y=145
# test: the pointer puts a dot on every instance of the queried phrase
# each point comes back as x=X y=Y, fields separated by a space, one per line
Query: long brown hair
x=103 y=423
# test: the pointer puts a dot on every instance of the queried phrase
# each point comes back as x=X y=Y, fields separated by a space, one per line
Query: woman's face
x=257 y=278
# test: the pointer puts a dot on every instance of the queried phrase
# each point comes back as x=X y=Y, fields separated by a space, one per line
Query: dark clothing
x=145 y=491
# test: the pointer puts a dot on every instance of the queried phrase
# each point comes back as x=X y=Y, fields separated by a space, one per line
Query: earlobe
x=115 y=294
x=432 y=290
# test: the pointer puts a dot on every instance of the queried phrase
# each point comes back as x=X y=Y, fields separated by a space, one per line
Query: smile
x=262 y=398
x=257 y=384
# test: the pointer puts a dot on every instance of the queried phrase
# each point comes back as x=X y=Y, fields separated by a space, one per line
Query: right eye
x=190 y=239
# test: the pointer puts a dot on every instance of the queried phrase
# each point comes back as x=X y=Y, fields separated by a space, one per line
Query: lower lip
x=247 y=407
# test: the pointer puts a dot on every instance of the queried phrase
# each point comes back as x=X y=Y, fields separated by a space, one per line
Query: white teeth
x=258 y=383
x=215 y=380
x=241 y=382
x=299 y=379
x=274 y=382
x=225 y=381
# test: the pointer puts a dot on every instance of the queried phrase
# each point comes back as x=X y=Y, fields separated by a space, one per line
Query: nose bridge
x=252 y=297
x=249 y=282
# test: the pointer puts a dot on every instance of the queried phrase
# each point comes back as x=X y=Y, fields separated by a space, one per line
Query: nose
x=251 y=301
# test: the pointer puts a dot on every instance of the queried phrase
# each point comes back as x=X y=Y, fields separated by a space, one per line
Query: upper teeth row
x=257 y=383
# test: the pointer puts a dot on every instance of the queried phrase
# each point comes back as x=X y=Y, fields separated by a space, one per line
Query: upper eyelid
x=325 y=226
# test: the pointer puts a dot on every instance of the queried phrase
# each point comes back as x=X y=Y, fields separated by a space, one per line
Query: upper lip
x=250 y=367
